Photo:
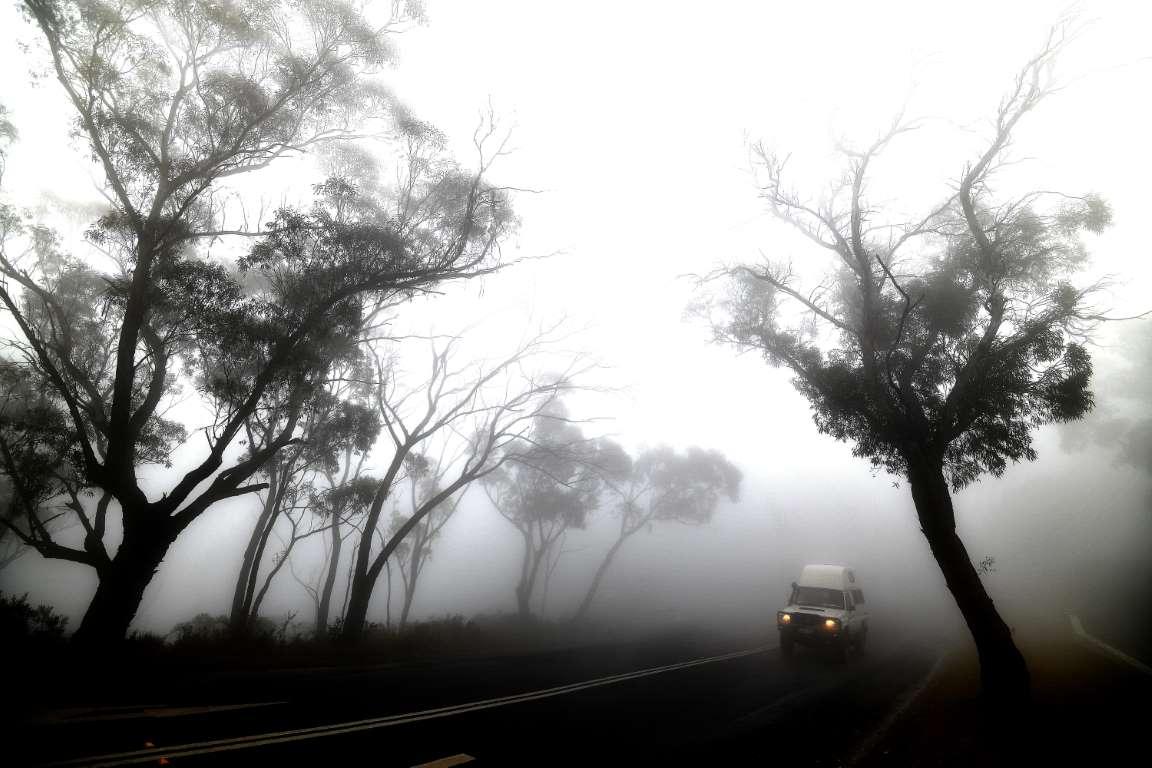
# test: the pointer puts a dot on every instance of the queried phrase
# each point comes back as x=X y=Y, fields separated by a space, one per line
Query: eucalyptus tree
x=425 y=476
x=173 y=98
x=660 y=485
x=344 y=505
x=484 y=408
x=12 y=546
x=550 y=487
x=937 y=362
x=333 y=430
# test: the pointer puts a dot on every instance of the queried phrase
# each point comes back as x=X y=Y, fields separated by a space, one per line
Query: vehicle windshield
x=819 y=596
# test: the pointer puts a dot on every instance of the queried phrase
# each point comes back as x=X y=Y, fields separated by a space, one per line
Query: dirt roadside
x=1088 y=707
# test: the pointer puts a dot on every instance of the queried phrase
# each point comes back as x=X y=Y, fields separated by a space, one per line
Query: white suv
x=826 y=609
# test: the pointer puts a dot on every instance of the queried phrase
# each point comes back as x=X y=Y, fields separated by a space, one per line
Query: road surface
x=670 y=701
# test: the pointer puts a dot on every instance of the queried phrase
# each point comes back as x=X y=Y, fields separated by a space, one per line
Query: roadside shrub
x=206 y=631
x=201 y=628
x=21 y=622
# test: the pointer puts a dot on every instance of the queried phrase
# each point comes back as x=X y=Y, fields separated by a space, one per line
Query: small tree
x=333 y=429
x=937 y=365
x=425 y=478
x=343 y=504
x=661 y=485
x=551 y=487
x=486 y=408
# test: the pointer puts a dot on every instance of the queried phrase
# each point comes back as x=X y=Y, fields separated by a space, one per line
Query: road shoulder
x=1086 y=708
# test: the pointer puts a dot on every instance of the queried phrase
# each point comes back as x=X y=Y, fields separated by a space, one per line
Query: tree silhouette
x=335 y=430
x=425 y=477
x=172 y=98
x=485 y=408
x=661 y=485
x=936 y=364
x=549 y=488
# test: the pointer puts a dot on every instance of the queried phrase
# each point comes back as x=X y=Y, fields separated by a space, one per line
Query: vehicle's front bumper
x=814 y=635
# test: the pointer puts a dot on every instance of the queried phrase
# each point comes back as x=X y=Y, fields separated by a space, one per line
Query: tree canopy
x=951 y=352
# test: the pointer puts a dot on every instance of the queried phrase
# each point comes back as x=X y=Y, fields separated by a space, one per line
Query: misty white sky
x=634 y=119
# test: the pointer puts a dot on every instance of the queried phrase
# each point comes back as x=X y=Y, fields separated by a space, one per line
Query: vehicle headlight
x=784 y=618
x=832 y=624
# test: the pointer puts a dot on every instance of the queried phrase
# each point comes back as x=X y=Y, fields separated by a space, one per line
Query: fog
x=632 y=123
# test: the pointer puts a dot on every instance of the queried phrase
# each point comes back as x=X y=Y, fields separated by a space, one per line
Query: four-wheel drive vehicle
x=826 y=609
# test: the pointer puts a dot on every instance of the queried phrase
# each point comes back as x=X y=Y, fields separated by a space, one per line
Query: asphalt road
x=673 y=701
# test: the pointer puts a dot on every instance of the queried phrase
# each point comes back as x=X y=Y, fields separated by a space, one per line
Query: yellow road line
x=447 y=762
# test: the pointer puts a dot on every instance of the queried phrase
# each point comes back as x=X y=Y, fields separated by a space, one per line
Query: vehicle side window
x=858 y=595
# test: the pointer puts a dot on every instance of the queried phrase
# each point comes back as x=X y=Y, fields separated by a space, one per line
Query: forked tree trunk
x=366 y=569
x=1003 y=673
x=121 y=585
x=240 y=616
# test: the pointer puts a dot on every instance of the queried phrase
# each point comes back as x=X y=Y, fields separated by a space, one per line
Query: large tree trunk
x=356 y=617
x=594 y=587
x=122 y=584
x=1003 y=673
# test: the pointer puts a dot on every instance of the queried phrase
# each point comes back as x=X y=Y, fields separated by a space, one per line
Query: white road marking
x=1078 y=630
x=300 y=734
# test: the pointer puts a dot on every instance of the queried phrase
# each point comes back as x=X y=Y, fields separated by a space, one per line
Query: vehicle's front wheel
x=861 y=641
x=786 y=646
